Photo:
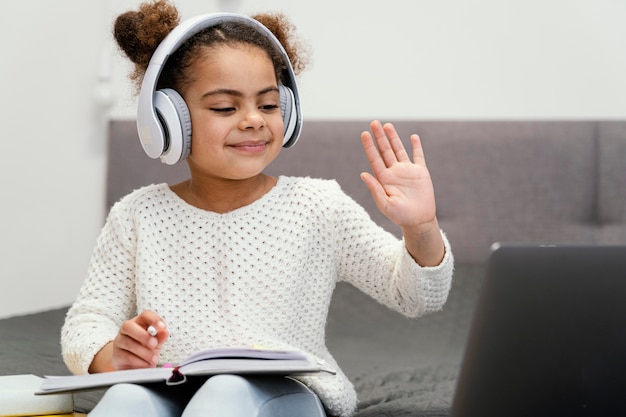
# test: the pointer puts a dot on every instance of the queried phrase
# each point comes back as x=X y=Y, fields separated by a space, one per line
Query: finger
x=377 y=191
x=129 y=352
x=137 y=339
x=382 y=142
x=418 y=151
x=372 y=154
x=128 y=359
x=154 y=327
x=396 y=143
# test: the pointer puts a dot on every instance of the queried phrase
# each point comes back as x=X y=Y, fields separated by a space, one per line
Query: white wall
x=52 y=150
x=417 y=59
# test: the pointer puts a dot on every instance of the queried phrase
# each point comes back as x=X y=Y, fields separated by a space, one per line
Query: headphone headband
x=152 y=134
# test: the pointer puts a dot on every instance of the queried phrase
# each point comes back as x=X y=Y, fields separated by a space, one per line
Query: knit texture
x=262 y=274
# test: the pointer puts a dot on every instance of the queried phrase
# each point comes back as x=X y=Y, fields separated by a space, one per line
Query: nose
x=252 y=119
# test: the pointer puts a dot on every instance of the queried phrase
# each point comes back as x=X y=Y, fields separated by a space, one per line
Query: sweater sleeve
x=106 y=297
x=378 y=263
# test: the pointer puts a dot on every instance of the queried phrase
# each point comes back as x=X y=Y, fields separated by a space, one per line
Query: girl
x=234 y=257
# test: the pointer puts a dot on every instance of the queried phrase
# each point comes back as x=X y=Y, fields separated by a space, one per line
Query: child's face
x=233 y=100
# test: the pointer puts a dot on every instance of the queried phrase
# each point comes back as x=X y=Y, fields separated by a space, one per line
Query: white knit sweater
x=262 y=274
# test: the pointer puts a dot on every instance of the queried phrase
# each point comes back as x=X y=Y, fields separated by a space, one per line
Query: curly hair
x=139 y=32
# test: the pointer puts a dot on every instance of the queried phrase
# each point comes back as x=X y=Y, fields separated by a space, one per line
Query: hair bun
x=138 y=33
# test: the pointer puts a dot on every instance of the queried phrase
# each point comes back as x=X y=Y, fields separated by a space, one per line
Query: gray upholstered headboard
x=523 y=181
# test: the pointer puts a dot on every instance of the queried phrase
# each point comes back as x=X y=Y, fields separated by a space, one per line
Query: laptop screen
x=549 y=335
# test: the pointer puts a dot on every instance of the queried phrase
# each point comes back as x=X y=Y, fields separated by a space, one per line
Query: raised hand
x=403 y=190
x=401 y=186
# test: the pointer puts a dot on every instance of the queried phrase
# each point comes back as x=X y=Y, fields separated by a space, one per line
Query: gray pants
x=218 y=396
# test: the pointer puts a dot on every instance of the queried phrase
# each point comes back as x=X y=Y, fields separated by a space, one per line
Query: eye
x=223 y=110
x=269 y=108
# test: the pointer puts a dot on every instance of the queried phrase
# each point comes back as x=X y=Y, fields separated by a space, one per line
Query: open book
x=214 y=361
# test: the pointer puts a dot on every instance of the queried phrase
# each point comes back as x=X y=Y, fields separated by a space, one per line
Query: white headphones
x=163 y=120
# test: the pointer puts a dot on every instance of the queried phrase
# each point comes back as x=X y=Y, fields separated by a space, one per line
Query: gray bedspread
x=400 y=367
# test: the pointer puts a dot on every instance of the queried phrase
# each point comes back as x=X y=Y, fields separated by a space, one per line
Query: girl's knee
x=123 y=396
x=237 y=396
x=133 y=400
x=302 y=404
x=226 y=386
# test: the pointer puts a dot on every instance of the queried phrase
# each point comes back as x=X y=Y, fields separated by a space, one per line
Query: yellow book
x=54 y=415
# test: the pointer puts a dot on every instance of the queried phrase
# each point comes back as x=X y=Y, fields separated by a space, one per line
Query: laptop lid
x=548 y=337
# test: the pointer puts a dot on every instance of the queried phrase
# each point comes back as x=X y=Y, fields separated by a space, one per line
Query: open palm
x=402 y=188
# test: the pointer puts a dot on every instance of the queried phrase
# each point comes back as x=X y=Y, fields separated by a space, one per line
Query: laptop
x=548 y=337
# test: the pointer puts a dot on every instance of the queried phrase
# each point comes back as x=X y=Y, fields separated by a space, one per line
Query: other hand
x=133 y=347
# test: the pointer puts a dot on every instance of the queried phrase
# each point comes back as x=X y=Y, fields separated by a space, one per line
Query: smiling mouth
x=253 y=147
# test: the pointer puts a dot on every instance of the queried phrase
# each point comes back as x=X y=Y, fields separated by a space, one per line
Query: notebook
x=548 y=337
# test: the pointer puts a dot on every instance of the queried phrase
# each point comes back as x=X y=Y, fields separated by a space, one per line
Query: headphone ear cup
x=174 y=117
x=289 y=112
